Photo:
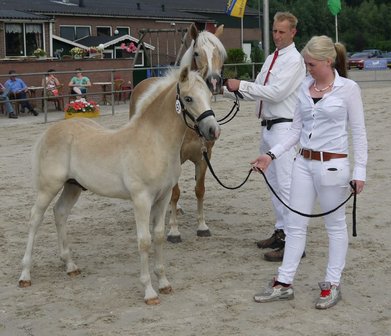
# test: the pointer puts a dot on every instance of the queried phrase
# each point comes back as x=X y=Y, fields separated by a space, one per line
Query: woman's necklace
x=324 y=89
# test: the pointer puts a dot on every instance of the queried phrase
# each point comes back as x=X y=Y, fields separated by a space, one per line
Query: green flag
x=334 y=6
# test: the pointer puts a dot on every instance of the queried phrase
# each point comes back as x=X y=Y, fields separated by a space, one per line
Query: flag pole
x=336 y=28
x=266 y=40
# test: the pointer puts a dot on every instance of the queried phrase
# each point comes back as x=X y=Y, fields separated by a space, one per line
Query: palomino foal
x=207 y=55
x=139 y=162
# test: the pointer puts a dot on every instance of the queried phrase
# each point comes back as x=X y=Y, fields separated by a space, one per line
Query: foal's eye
x=196 y=54
x=188 y=99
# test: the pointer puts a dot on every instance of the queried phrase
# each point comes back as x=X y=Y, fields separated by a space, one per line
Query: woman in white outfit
x=328 y=105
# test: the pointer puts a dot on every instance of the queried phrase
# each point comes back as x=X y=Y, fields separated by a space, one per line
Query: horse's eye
x=196 y=54
x=188 y=99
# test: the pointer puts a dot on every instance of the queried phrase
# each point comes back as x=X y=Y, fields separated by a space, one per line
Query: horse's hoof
x=203 y=233
x=74 y=273
x=174 y=239
x=153 y=301
x=24 y=283
x=165 y=290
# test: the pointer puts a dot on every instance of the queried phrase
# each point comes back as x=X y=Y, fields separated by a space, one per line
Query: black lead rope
x=235 y=105
x=353 y=186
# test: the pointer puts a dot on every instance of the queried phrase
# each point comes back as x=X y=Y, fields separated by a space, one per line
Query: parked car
x=387 y=56
x=357 y=60
x=374 y=53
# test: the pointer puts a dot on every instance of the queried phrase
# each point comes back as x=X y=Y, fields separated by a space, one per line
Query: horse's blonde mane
x=157 y=87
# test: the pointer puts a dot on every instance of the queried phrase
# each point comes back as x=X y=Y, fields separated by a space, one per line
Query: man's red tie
x=266 y=79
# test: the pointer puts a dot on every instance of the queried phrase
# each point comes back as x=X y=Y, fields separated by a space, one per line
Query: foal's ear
x=193 y=31
x=219 y=30
x=184 y=75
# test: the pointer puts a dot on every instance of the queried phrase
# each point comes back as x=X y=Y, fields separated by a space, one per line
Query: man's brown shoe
x=277 y=240
x=277 y=255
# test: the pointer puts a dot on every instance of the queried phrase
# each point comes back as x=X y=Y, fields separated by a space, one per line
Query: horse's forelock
x=206 y=37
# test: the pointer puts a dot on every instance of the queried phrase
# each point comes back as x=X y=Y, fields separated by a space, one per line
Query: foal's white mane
x=204 y=38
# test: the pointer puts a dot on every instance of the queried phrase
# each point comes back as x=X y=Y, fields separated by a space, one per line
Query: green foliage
x=362 y=24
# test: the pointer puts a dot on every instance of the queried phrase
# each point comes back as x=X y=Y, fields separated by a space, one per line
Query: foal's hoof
x=165 y=290
x=24 y=283
x=74 y=273
x=152 y=301
x=174 y=239
x=203 y=233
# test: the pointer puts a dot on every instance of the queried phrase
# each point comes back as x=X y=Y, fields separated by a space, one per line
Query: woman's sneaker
x=329 y=295
x=274 y=292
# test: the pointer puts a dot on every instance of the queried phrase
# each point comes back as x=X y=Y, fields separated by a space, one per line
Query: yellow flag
x=236 y=8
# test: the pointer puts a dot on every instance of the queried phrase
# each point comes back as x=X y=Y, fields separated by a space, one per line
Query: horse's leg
x=66 y=201
x=174 y=236
x=36 y=215
x=142 y=210
x=200 y=169
x=158 y=223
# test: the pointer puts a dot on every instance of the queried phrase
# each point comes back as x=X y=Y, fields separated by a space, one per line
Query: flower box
x=81 y=108
x=69 y=115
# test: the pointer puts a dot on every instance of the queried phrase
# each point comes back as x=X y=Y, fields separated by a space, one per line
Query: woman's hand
x=359 y=186
x=261 y=162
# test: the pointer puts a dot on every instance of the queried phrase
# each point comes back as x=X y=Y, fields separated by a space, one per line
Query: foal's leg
x=158 y=224
x=36 y=215
x=142 y=210
x=200 y=169
x=174 y=236
x=66 y=201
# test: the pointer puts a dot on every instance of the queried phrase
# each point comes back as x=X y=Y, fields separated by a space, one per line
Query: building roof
x=190 y=10
x=11 y=14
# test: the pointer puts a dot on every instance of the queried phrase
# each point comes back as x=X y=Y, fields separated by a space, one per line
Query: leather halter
x=186 y=114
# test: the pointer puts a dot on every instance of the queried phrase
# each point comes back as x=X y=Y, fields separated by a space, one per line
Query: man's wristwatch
x=273 y=157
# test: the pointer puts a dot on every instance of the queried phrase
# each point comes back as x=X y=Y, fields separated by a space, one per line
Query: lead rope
x=204 y=153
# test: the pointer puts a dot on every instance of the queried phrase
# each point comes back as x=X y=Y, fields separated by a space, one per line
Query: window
x=74 y=33
x=103 y=31
x=123 y=31
x=22 y=39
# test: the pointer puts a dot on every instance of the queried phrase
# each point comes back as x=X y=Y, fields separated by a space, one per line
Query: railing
x=361 y=76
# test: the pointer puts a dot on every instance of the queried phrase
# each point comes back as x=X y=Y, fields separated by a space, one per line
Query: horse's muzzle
x=208 y=126
x=214 y=82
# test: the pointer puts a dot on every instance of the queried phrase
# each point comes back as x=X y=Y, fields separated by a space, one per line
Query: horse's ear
x=193 y=31
x=219 y=30
x=184 y=75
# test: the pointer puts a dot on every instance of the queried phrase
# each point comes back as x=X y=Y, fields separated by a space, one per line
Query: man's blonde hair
x=282 y=16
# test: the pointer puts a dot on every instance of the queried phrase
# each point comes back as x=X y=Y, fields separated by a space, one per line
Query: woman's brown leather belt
x=314 y=155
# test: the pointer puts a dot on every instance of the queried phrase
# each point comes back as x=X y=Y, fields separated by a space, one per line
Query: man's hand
x=261 y=162
x=232 y=84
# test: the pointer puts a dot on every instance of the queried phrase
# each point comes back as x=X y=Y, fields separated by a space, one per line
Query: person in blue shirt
x=5 y=100
x=19 y=89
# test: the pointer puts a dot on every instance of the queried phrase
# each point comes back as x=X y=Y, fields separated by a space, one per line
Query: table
x=104 y=90
x=33 y=93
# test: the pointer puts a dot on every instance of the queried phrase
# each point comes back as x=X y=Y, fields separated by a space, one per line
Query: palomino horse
x=140 y=162
x=206 y=54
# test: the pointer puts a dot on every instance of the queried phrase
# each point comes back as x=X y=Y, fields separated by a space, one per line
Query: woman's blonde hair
x=323 y=48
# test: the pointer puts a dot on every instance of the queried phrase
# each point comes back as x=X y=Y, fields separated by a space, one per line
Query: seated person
x=5 y=100
x=19 y=89
x=79 y=84
x=51 y=83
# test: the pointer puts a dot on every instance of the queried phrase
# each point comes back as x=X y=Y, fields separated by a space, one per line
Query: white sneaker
x=274 y=293
x=329 y=295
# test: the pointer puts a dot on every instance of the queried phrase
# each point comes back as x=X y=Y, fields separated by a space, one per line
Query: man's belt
x=314 y=155
x=270 y=123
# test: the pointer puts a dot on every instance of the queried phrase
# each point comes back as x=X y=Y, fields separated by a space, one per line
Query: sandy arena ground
x=213 y=278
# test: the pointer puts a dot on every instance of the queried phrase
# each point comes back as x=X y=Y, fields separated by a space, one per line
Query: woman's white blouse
x=324 y=126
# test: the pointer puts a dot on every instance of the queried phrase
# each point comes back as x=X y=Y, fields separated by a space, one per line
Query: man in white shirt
x=275 y=90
